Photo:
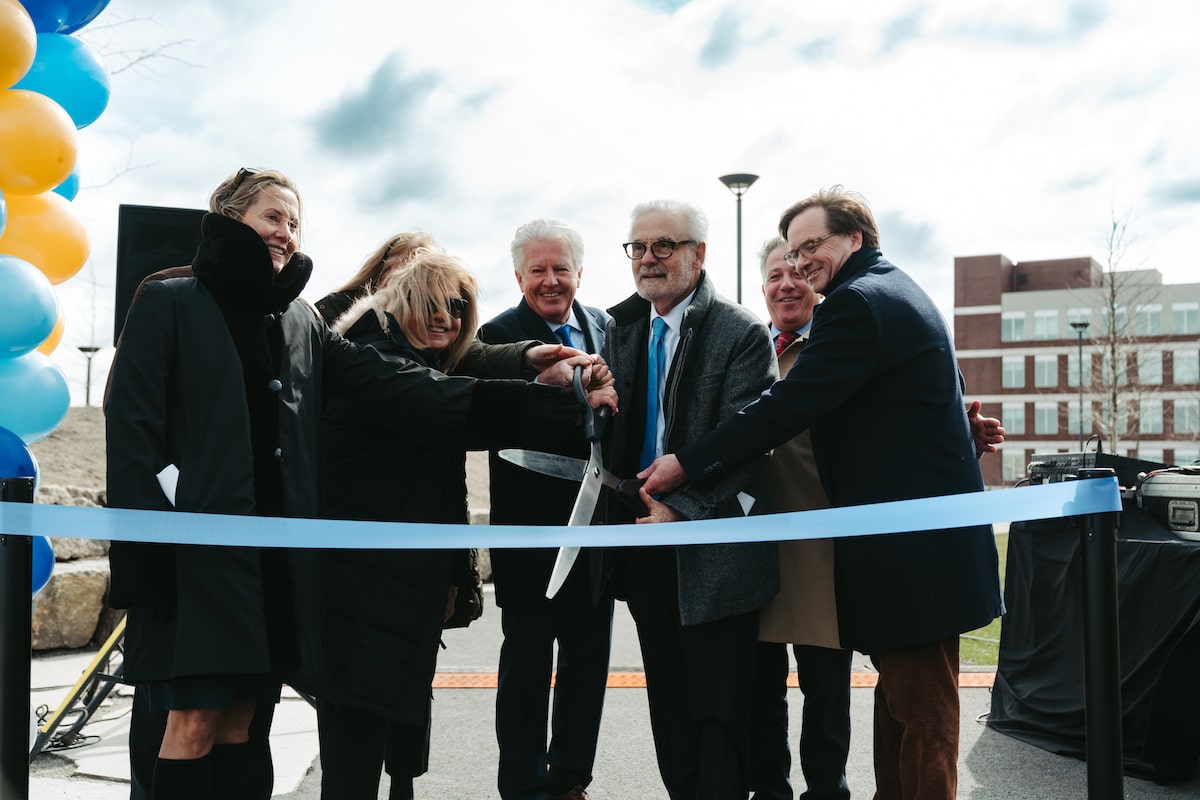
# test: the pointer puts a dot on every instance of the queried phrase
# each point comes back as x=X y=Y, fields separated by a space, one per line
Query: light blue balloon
x=28 y=308
x=62 y=16
x=68 y=188
x=69 y=73
x=43 y=562
x=34 y=396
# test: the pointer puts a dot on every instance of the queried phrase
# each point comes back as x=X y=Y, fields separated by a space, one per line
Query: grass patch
x=981 y=648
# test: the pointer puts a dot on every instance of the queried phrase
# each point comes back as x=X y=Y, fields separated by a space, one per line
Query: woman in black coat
x=383 y=611
x=220 y=376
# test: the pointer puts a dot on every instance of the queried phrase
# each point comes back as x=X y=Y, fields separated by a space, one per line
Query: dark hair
x=845 y=211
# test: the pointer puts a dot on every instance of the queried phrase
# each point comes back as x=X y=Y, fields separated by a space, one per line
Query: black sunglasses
x=455 y=307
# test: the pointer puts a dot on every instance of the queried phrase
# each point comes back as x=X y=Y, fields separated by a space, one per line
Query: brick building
x=1017 y=334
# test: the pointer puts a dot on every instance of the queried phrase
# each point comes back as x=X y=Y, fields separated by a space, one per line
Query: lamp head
x=738 y=182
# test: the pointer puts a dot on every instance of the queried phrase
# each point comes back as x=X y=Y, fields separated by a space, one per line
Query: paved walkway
x=463 y=757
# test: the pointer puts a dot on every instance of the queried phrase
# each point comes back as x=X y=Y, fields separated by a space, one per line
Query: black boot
x=190 y=779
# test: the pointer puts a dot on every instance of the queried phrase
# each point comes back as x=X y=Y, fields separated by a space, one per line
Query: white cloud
x=1010 y=128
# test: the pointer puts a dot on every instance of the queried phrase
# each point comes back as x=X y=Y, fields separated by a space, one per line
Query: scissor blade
x=581 y=514
x=552 y=464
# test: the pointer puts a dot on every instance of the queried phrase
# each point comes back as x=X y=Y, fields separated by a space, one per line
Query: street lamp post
x=738 y=183
x=89 y=351
x=1080 y=326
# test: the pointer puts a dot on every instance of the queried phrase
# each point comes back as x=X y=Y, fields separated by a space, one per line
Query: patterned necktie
x=653 y=371
x=783 y=340
x=564 y=335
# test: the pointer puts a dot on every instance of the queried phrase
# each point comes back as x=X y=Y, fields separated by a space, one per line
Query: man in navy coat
x=879 y=357
x=548 y=262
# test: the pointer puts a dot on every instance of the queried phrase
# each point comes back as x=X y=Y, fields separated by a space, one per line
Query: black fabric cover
x=1039 y=691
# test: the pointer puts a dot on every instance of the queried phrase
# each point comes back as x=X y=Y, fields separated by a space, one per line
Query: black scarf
x=234 y=264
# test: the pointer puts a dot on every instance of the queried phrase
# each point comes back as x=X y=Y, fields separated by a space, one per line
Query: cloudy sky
x=972 y=128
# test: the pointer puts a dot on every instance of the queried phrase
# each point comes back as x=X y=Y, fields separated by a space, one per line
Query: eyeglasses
x=792 y=257
x=455 y=307
x=662 y=248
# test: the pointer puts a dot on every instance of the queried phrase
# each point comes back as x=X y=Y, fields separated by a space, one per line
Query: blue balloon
x=43 y=562
x=62 y=16
x=68 y=188
x=28 y=308
x=69 y=73
x=16 y=459
x=34 y=396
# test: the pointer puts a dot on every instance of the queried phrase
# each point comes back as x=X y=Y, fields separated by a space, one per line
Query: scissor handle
x=594 y=420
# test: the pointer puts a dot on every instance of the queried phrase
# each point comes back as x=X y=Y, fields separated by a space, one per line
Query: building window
x=1187 y=416
x=1045 y=418
x=1114 y=321
x=1073 y=369
x=1012 y=417
x=1045 y=371
x=1079 y=315
x=1186 y=366
x=1150 y=416
x=1012 y=372
x=1150 y=453
x=1013 y=465
x=1122 y=376
x=1045 y=324
x=1148 y=321
x=1150 y=369
x=1012 y=326
x=1185 y=318
x=1073 y=418
x=1185 y=456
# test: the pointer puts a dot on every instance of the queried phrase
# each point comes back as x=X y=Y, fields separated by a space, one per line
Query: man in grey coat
x=684 y=360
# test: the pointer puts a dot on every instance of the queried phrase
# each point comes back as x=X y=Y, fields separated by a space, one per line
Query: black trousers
x=824 y=678
x=528 y=768
x=699 y=683
x=357 y=745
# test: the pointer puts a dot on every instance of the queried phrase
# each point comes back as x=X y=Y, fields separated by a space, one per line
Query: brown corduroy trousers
x=916 y=722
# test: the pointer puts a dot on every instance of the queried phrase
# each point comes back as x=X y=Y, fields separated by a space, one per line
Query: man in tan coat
x=804 y=613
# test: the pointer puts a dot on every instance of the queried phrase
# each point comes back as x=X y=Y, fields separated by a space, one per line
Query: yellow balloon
x=38 y=143
x=18 y=42
x=45 y=230
x=47 y=347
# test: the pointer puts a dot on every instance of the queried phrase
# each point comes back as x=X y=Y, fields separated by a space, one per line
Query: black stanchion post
x=1101 y=651
x=16 y=610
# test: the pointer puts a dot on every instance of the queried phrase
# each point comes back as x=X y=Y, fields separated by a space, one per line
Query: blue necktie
x=564 y=335
x=653 y=371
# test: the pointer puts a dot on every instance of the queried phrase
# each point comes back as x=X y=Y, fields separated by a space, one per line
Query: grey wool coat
x=724 y=360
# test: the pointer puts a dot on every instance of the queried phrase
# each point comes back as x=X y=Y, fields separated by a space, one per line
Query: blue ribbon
x=1045 y=501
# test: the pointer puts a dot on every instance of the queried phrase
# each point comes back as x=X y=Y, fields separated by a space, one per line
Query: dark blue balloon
x=43 y=562
x=69 y=73
x=62 y=16
x=16 y=459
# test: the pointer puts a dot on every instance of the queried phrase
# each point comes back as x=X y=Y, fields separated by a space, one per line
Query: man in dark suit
x=879 y=350
x=684 y=359
x=548 y=262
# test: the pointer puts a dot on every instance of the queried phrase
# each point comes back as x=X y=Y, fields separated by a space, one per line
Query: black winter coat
x=179 y=395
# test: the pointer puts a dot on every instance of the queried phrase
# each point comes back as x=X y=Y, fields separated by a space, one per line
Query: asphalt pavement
x=463 y=755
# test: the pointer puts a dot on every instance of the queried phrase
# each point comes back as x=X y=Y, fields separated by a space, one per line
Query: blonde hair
x=413 y=293
x=392 y=254
x=234 y=195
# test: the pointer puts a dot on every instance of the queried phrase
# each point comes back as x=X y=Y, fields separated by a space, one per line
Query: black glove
x=520 y=414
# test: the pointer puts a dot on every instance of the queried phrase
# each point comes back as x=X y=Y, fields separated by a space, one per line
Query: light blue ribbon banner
x=1045 y=501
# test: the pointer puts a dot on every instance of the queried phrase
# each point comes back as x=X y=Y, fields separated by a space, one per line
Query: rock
x=66 y=611
x=75 y=549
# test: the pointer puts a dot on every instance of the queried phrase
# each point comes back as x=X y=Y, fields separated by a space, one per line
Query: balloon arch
x=51 y=86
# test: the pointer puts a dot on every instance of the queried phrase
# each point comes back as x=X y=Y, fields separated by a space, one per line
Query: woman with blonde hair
x=384 y=611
